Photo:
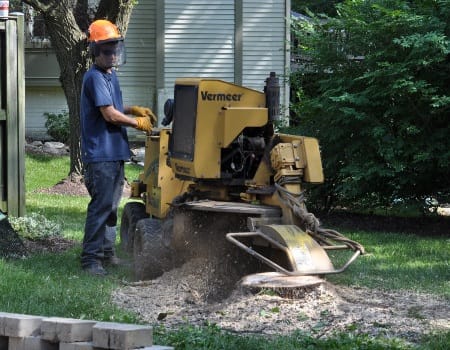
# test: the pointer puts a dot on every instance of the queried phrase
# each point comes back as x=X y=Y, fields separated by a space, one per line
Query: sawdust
x=180 y=296
x=205 y=290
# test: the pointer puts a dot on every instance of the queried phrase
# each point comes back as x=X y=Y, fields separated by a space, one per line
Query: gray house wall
x=233 y=40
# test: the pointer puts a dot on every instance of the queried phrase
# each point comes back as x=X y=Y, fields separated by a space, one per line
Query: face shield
x=110 y=54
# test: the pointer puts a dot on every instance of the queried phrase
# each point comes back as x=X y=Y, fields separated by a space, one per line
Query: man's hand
x=144 y=124
x=143 y=112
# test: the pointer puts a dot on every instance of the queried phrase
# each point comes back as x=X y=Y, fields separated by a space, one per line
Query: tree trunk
x=66 y=24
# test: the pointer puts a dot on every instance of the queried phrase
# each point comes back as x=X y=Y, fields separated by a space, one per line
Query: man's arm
x=113 y=116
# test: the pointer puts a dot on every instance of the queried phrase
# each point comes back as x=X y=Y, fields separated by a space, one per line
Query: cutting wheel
x=277 y=280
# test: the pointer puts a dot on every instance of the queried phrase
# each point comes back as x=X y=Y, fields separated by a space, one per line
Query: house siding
x=236 y=41
x=264 y=39
x=264 y=42
x=138 y=75
x=40 y=100
x=199 y=39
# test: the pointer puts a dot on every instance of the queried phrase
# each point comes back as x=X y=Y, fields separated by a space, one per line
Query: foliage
x=436 y=341
x=15 y=5
x=316 y=6
x=34 y=226
x=58 y=126
x=377 y=95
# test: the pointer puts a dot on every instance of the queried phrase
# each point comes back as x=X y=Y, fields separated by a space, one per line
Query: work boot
x=112 y=260
x=95 y=270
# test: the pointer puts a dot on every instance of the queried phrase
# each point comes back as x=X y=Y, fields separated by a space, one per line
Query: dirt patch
x=67 y=186
x=11 y=246
x=179 y=297
x=75 y=187
x=189 y=294
x=49 y=245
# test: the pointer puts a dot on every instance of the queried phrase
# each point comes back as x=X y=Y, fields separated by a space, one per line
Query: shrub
x=58 y=126
x=374 y=90
x=34 y=226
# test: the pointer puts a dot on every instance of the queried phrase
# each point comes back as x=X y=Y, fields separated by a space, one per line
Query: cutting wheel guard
x=304 y=255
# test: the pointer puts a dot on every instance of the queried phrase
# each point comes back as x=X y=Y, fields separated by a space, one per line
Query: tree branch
x=116 y=11
x=83 y=14
x=38 y=5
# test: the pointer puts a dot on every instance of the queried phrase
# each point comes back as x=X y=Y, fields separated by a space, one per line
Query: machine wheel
x=151 y=257
x=132 y=213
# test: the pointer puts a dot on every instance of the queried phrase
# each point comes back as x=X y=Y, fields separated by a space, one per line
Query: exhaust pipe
x=272 y=91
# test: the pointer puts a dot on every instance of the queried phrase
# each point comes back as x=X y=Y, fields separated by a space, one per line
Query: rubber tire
x=132 y=213
x=150 y=255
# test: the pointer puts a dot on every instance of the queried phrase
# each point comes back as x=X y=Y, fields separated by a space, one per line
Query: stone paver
x=18 y=325
x=31 y=343
x=26 y=332
x=68 y=330
x=121 y=336
x=78 y=346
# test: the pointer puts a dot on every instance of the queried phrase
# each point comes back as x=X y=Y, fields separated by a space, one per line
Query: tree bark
x=67 y=22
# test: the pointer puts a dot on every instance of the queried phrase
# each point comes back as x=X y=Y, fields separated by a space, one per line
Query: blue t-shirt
x=101 y=141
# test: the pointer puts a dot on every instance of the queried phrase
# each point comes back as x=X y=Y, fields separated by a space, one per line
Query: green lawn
x=53 y=284
x=400 y=261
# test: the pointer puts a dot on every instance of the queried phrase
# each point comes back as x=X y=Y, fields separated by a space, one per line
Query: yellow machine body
x=211 y=116
x=161 y=185
x=222 y=155
x=222 y=111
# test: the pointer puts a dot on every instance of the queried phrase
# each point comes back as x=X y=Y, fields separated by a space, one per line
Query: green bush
x=58 y=126
x=374 y=90
x=34 y=226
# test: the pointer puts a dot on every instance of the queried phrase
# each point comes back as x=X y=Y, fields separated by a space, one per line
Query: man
x=104 y=143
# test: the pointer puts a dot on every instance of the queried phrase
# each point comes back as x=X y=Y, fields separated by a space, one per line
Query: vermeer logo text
x=206 y=96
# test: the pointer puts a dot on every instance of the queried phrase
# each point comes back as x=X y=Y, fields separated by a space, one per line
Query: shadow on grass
x=423 y=226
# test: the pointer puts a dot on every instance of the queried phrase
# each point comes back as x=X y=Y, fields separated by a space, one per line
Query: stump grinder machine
x=221 y=183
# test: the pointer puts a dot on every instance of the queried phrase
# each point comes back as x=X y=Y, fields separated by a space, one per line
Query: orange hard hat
x=102 y=31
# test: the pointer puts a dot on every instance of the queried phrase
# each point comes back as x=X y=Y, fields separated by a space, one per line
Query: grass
x=211 y=337
x=400 y=262
x=53 y=285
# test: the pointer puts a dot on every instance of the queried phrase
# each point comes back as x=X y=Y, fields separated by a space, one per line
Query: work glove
x=144 y=124
x=139 y=111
